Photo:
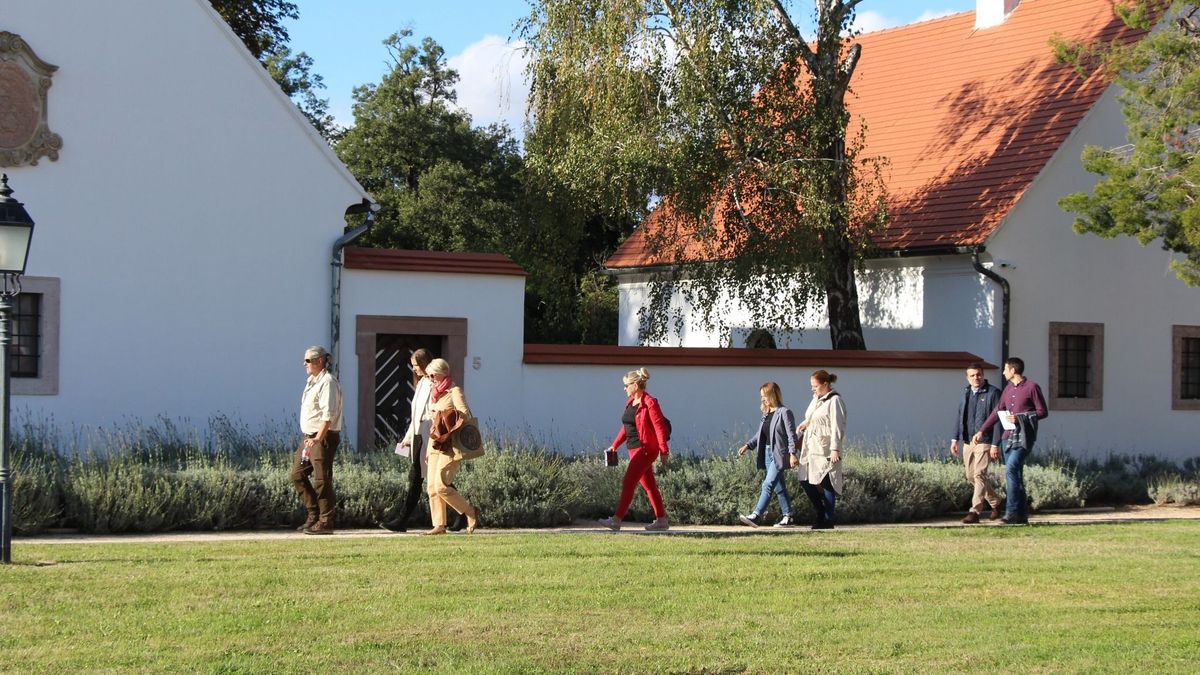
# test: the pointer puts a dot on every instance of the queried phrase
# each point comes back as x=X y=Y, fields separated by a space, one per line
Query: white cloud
x=491 y=84
x=868 y=21
x=930 y=14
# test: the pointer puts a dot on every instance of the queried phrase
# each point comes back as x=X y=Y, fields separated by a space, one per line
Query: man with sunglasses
x=321 y=426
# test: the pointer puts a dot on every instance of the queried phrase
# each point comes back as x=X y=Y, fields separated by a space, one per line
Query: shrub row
x=158 y=478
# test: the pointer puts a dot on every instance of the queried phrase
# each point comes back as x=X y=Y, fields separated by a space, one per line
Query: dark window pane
x=1074 y=366
x=1190 y=366
x=24 y=354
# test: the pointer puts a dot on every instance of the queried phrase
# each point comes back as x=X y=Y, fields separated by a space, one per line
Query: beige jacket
x=826 y=417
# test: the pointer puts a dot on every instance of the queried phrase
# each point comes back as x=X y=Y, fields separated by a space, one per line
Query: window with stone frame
x=1076 y=366
x=1185 y=367
x=33 y=351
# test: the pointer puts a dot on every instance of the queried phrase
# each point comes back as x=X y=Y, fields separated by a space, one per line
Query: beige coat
x=826 y=417
x=451 y=398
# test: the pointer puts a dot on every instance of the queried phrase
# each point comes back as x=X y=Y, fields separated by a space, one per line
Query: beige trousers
x=442 y=469
x=975 y=461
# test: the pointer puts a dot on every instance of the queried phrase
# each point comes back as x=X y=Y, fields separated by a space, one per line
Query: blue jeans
x=773 y=484
x=823 y=498
x=1014 y=475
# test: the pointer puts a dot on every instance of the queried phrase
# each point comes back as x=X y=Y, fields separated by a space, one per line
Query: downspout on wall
x=335 y=302
x=1005 y=302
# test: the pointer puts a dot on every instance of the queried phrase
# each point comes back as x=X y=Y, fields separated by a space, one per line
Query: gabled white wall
x=189 y=217
x=493 y=306
x=1061 y=276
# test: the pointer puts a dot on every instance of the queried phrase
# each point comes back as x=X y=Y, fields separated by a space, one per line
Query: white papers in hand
x=1008 y=420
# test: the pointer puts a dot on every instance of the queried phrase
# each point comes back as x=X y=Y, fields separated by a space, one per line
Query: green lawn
x=1097 y=598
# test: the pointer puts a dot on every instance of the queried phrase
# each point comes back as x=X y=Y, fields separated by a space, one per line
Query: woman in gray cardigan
x=776 y=446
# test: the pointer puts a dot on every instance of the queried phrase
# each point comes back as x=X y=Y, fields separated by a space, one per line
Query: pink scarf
x=440 y=388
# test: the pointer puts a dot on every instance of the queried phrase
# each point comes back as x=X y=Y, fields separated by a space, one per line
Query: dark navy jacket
x=989 y=398
x=781 y=436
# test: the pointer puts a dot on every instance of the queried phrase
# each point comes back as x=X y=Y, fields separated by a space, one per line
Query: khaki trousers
x=975 y=461
x=442 y=469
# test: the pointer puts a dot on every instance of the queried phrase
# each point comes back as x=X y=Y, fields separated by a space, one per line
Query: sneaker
x=751 y=520
x=785 y=521
x=971 y=518
x=611 y=523
x=659 y=525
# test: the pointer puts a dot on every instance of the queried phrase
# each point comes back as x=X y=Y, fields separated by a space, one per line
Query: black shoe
x=459 y=525
x=823 y=525
x=392 y=525
x=1014 y=521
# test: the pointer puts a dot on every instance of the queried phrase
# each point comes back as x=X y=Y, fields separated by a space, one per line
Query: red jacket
x=652 y=430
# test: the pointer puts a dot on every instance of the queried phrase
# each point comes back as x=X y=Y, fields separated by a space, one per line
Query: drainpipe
x=335 y=303
x=1005 y=302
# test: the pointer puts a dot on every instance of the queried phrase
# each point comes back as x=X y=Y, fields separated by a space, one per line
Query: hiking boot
x=752 y=520
x=659 y=525
x=997 y=511
x=971 y=518
x=319 y=528
x=308 y=522
x=613 y=523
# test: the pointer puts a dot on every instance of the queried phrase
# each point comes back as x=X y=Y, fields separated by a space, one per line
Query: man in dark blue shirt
x=978 y=400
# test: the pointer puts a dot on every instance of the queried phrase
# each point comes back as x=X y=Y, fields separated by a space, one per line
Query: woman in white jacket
x=416 y=439
x=824 y=428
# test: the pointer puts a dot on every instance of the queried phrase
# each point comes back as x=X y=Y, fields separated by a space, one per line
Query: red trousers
x=641 y=470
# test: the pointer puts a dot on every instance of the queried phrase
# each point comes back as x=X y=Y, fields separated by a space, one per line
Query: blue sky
x=345 y=41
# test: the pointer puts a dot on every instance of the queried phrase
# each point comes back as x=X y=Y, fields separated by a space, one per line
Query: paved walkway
x=1056 y=517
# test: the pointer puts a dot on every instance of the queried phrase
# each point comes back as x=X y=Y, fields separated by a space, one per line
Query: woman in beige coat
x=820 y=461
x=443 y=462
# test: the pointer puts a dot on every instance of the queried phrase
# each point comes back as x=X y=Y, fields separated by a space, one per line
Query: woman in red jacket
x=644 y=431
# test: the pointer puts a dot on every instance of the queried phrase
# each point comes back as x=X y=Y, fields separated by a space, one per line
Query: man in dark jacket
x=978 y=400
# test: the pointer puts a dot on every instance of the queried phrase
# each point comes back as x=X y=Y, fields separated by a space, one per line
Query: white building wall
x=927 y=303
x=712 y=409
x=1057 y=275
x=189 y=216
x=493 y=306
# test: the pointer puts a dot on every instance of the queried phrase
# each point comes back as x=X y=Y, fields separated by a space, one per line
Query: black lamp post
x=16 y=231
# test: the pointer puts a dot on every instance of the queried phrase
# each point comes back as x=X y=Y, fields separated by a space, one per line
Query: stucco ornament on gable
x=25 y=136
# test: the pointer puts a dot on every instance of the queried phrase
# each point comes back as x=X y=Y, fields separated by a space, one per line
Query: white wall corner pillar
x=990 y=13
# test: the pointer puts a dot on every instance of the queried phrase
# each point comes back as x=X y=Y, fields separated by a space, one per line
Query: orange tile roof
x=967 y=119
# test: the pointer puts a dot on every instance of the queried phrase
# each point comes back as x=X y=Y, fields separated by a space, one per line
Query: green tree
x=1150 y=188
x=260 y=26
x=441 y=183
x=721 y=114
x=259 y=23
x=445 y=185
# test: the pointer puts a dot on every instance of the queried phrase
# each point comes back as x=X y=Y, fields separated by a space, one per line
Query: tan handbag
x=467 y=441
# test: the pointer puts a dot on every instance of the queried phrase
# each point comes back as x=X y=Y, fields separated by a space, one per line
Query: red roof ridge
x=448 y=262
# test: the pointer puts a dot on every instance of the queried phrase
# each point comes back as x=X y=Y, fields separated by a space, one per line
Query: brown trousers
x=317 y=494
x=975 y=462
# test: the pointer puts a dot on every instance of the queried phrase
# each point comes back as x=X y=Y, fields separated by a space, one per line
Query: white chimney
x=990 y=13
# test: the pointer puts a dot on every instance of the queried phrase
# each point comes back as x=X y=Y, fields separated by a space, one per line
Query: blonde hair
x=773 y=394
x=438 y=367
x=637 y=377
